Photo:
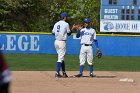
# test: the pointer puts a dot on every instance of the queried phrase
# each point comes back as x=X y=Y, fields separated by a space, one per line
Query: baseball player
x=61 y=30
x=88 y=36
x=5 y=75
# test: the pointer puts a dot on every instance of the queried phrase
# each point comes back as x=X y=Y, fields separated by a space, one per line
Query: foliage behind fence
x=40 y=15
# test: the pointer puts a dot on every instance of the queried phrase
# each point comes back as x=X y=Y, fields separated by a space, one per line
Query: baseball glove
x=99 y=54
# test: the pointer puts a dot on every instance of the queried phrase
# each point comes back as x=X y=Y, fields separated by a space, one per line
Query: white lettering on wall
x=34 y=43
x=10 y=42
x=2 y=47
x=111 y=17
x=22 y=43
x=111 y=11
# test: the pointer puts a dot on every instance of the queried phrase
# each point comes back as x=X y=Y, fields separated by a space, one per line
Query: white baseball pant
x=86 y=52
x=60 y=47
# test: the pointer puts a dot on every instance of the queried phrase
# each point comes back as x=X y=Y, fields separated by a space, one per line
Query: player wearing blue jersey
x=88 y=36
x=61 y=30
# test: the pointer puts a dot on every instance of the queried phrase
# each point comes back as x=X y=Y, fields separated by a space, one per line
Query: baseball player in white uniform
x=61 y=30
x=88 y=36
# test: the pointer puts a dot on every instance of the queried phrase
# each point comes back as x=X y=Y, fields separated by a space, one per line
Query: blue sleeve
x=78 y=34
x=96 y=43
x=69 y=33
x=53 y=33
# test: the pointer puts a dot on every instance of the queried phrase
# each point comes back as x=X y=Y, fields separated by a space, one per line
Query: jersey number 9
x=58 y=28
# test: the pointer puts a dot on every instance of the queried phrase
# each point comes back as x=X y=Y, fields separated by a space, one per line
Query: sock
x=91 y=68
x=58 y=66
x=63 y=67
x=81 y=69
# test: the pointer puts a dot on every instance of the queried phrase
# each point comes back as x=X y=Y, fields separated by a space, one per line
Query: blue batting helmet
x=64 y=14
x=87 y=20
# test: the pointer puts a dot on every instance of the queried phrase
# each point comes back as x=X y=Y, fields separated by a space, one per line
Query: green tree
x=40 y=15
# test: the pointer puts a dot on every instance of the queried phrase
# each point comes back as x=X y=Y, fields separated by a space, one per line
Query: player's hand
x=74 y=27
x=80 y=26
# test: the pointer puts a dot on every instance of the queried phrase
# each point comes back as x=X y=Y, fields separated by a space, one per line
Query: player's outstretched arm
x=79 y=27
x=70 y=31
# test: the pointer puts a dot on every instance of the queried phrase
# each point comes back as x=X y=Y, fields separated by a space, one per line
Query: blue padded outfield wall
x=44 y=44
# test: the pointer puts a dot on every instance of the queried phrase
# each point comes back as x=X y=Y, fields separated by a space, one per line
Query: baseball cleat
x=91 y=75
x=78 y=75
x=65 y=75
x=58 y=75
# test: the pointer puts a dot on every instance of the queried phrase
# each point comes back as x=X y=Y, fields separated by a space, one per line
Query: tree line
x=40 y=15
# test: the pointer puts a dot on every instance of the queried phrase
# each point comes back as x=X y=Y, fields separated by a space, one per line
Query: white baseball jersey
x=60 y=29
x=87 y=35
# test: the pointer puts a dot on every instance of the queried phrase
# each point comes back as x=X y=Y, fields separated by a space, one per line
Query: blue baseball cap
x=87 y=20
x=64 y=14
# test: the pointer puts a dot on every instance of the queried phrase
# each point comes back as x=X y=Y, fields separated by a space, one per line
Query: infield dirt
x=45 y=82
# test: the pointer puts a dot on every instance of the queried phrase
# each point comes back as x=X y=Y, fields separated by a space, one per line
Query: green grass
x=31 y=62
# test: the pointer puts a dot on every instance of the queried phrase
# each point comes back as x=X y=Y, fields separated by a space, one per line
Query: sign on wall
x=120 y=16
x=120 y=26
